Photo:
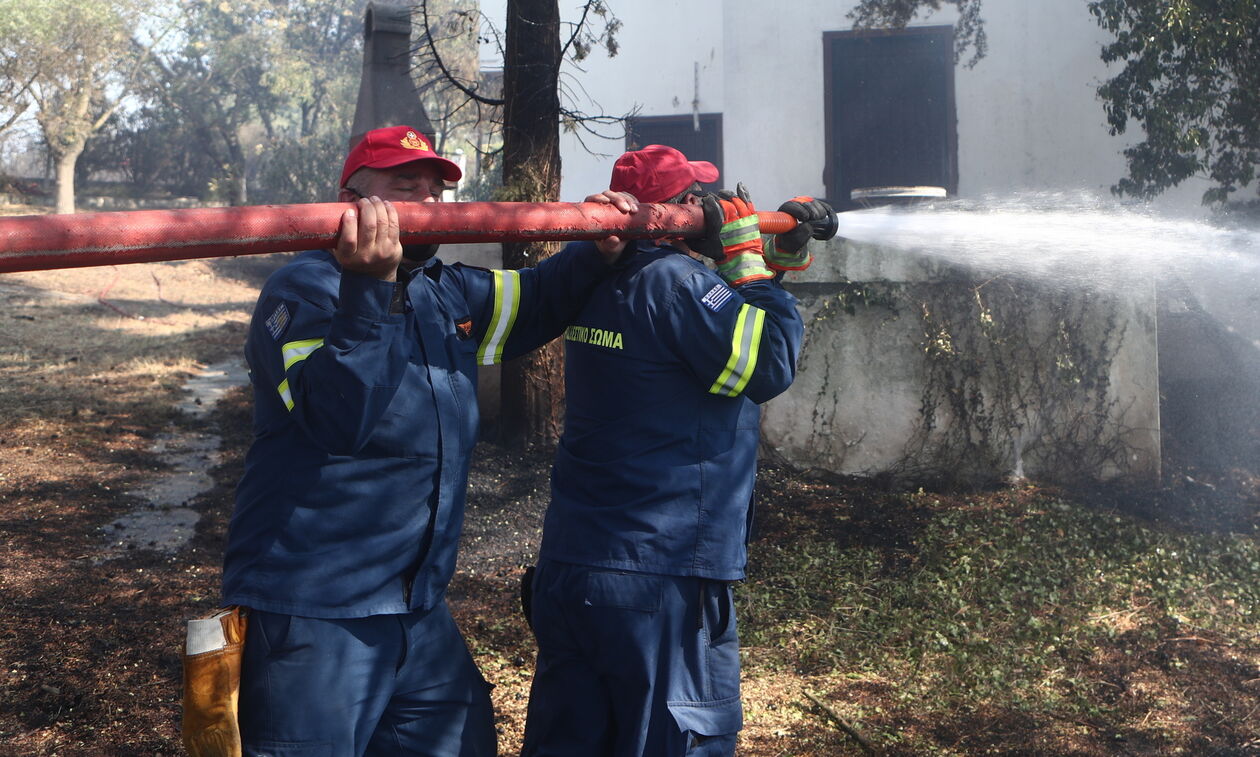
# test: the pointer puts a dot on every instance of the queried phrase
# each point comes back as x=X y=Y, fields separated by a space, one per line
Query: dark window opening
x=890 y=110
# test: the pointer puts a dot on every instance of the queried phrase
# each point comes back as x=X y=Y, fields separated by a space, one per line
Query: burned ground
x=1017 y=621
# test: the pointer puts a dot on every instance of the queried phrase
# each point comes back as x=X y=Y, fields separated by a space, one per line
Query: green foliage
x=71 y=50
x=969 y=33
x=266 y=88
x=73 y=61
x=1010 y=601
x=156 y=152
x=300 y=169
x=1191 y=81
x=1011 y=367
x=16 y=72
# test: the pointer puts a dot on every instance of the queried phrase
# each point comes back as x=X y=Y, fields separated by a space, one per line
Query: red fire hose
x=33 y=243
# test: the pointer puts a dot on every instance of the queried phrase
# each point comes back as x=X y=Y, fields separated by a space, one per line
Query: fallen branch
x=1198 y=640
x=862 y=741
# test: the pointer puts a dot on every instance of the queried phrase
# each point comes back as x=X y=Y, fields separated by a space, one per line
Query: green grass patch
x=1016 y=602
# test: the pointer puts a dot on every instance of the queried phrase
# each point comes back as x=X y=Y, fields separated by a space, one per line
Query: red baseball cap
x=657 y=173
x=393 y=146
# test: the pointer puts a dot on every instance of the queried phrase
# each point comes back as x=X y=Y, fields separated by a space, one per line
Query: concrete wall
x=899 y=376
x=1209 y=343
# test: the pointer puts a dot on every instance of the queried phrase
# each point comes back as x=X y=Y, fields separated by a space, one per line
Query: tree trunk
x=65 y=162
x=533 y=385
x=238 y=186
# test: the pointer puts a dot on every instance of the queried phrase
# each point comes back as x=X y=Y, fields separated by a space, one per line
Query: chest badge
x=464 y=328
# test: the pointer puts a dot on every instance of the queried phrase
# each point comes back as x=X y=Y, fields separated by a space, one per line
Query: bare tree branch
x=446 y=73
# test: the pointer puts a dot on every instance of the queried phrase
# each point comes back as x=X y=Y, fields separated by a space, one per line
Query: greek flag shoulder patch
x=716 y=297
x=278 y=321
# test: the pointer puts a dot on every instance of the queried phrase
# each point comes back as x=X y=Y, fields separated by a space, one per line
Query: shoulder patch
x=717 y=297
x=278 y=321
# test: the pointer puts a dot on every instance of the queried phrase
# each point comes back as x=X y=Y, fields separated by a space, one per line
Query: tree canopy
x=265 y=87
x=73 y=60
x=1190 y=79
x=969 y=33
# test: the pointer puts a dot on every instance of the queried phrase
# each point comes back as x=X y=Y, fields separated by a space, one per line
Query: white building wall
x=1028 y=114
x=662 y=44
x=1028 y=120
x=775 y=117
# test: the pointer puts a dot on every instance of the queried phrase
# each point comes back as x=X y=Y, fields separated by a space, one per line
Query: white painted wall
x=1028 y=115
x=1028 y=120
x=662 y=41
x=655 y=72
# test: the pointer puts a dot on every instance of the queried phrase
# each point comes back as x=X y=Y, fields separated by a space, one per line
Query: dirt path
x=166 y=521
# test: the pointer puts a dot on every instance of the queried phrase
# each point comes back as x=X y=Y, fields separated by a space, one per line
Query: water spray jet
x=1071 y=240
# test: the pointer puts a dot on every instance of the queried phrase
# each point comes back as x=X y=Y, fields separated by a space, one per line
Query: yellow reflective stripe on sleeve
x=507 y=301
x=745 y=348
x=753 y=346
x=295 y=352
x=284 y=394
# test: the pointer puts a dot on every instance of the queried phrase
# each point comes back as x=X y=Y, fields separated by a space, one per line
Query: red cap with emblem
x=656 y=173
x=393 y=146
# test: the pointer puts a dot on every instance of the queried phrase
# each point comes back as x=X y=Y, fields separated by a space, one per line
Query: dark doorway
x=679 y=132
x=890 y=110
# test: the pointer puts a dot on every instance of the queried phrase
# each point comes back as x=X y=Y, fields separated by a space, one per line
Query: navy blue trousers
x=375 y=686
x=632 y=664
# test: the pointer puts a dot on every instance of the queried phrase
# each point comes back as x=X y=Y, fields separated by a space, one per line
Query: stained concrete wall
x=875 y=396
x=1209 y=342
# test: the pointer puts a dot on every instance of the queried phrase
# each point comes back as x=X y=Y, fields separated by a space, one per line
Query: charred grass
x=1015 y=622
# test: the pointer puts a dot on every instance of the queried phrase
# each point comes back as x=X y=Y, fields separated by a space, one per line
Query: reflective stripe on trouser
x=375 y=686
x=632 y=665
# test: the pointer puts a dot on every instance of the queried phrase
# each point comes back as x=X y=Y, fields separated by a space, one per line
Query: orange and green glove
x=732 y=238
x=789 y=251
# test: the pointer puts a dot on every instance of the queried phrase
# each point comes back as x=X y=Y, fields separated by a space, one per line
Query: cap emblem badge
x=413 y=142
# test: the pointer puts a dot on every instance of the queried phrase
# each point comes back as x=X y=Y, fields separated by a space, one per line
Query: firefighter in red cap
x=652 y=485
x=363 y=362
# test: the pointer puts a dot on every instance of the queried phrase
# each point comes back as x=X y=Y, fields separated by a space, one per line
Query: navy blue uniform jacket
x=364 y=419
x=664 y=370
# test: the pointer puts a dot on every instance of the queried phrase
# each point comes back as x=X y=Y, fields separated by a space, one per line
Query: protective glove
x=212 y=682
x=732 y=238
x=789 y=251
